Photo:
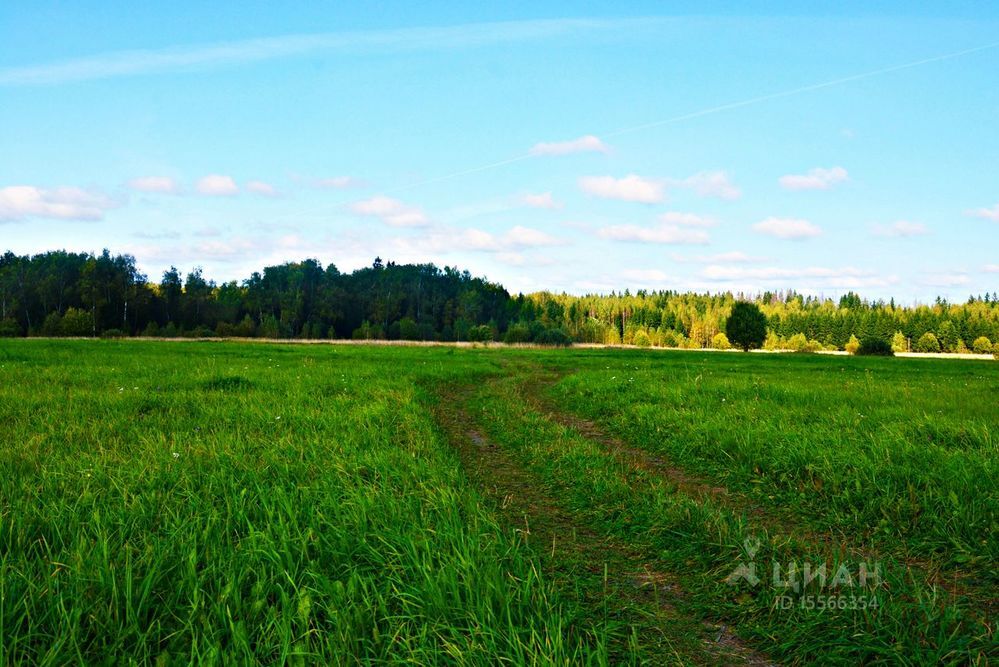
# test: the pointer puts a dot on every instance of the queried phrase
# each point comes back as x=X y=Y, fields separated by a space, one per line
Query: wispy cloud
x=646 y=275
x=945 y=279
x=261 y=188
x=197 y=57
x=507 y=245
x=991 y=268
x=338 y=183
x=846 y=277
x=585 y=144
x=815 y=179
x=155 y=184
x=541 y=200
x=686 y=219
x=787 y=228
x=986 y=213
x=630 y=188
x=710 y=184
x=21 y=202
x=391 y=211
x=900 y=229
x=665 y=234
x=217 y=185
x=735 y=257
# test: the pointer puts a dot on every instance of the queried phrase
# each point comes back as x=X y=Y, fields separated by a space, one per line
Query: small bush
x=555 y=337
x=927 y=343
x=982 y=345
x=875 y=347
x=797 y=343
x=852 y=345
x=112 y=333
x=720 y=342
x=480 y=334
x=641 y=339
x=76 y=322
x=9 y=328
x=899 y=343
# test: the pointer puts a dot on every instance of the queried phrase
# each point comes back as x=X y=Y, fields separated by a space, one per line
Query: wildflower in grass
x=176 y=455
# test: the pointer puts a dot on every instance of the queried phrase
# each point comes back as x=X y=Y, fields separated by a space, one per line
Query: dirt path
x=613 y=579
x=769 y=521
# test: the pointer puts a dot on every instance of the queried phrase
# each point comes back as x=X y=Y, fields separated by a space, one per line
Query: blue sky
x=574 y=146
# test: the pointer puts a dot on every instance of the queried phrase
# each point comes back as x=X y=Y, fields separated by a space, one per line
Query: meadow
x=210 y=502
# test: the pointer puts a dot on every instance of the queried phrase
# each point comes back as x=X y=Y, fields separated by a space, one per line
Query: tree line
x=80 y=294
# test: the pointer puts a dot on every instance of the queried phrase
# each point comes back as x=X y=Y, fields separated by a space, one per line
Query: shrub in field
x=670 y=338
x=927 y=343
x=720 y=342
x=812 y=346
x=852 y=345
x=480 y=334
x=52 y=326
x=641 y=339
x=9 y=328
x=773 y=341
x=517 y=333
x=746 y=326
x=982 y=345
x=555 y=337
x=797 y=343
x=408 y=329
x=875 y=347
x=169 y=331
x=112 y=333
x=899 y=343
x=77 y=322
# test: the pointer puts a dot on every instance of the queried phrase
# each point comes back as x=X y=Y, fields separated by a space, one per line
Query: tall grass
x=238 y=503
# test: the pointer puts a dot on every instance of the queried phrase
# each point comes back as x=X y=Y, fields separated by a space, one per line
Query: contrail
x=706 y=112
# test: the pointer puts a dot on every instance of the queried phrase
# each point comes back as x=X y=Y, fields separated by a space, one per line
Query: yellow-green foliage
x=720 y=342
x=852 y=345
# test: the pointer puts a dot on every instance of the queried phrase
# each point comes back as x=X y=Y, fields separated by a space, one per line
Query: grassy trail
x=678 y=528
x=618 y=585
x=778 y=523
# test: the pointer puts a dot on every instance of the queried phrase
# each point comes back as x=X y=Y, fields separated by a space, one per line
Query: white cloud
x=525 y=237
x=391 y=211
x=849 y=277
x=542 y=200
x=261 y=188
x=734 y=257
x=669 y=234
x=787 y=228
x=630 y=188
x=646 y=275
x=506 y=245
x=901 y=228
x=686 y=219
x=155 y=184
x=710 y=184
x=945 y=279
x=987 y=213
x=215 y=185
x=584 y=144
x=19 y=202
x=991 y=268
x=815 y=179
x=338 y=183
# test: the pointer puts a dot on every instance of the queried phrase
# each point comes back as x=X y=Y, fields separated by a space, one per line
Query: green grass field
x=182 y=502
